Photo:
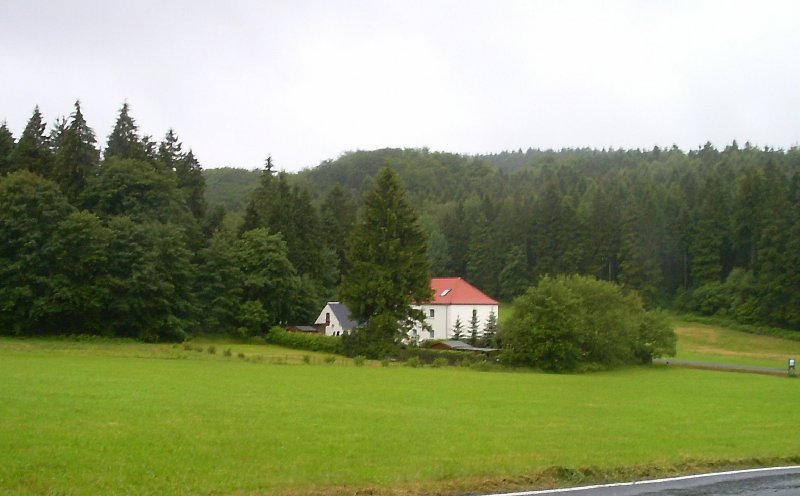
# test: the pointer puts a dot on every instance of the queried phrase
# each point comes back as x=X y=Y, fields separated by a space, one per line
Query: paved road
x=720 y=366
x=784 y=481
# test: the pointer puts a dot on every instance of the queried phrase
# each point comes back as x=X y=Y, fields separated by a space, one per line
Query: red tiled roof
x=457 y=291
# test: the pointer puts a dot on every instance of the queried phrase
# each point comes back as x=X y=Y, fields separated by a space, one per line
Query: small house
x=335 y=319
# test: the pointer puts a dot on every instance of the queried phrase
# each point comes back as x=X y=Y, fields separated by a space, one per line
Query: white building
x=454 y=299
x=336 y=320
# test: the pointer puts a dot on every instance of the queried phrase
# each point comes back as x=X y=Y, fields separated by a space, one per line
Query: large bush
x=570 y=321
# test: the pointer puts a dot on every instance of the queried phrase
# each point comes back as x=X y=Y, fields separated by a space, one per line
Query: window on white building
x=431 y=313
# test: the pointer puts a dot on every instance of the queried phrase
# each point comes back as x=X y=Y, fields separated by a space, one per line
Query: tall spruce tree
x=76 y=157
x=32 y=151
x=388 y=266
x=457 y=330
x=124 y=140
x=337 y=218
x=192 y=184
x=6 y=147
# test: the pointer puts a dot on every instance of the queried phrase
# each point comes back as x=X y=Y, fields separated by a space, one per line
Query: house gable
x=336 y=320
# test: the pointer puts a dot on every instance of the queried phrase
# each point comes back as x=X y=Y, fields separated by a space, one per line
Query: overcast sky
x=306 y=81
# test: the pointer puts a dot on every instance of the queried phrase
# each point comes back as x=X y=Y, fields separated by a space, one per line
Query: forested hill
x=230 y=187
x=712 y=231
x=432 y=176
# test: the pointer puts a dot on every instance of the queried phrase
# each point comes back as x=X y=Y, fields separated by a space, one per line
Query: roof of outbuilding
x=457 y=291
x=342 y=314
x=304 y=328
x=462 y=346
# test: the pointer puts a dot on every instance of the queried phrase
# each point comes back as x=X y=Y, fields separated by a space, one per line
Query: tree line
x=707 y=231
x=122 y=241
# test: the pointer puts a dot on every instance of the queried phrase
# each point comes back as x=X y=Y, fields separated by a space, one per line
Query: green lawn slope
x=717 y=344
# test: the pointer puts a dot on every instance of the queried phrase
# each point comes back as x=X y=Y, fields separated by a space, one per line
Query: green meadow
x=100 y=417
x=709 y=343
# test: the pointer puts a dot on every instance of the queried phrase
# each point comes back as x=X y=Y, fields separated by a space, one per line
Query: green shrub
x=385 y=362
x=228 y=352
x=211 y=350
x=427 y=356
x=359 y=360
x=482 y=366
x=309 y=342
x=306 y=359
x=329 y=359
x=567 y=321
x=440 y=362
x=413 y=362
x=240 y=355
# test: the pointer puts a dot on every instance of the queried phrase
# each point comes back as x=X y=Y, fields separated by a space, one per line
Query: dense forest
x=137 y=240
x=708 y=231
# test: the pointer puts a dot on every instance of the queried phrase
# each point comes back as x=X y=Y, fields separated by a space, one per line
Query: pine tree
x=337 y=218
x=388 y=264
x=6 y=147
x=513 y=278
x=57 y=131
x=639 y=250
x=490 y=330
x=473 y=328
x=261 y=200
x=169 y=152
x=711 y=243
x=458 y=329
x=76 y=157
x=484 y=258
x=192 y=184
x=32 y=151
x=124 y=140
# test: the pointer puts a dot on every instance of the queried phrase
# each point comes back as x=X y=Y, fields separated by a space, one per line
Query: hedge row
x=428 y=356
x=310 y=342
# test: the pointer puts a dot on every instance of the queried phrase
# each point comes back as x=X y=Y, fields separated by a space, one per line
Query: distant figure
x=791 y=367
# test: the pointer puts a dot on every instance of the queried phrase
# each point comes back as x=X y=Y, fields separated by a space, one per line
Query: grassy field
x=708 y=343
x=130 y=418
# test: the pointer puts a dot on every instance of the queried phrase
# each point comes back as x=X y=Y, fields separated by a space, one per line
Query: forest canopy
x=116 y=236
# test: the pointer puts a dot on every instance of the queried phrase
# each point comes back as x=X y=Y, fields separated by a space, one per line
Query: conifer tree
x=192 y=184
x=57 y=131
x=6 y=147
x=337 y=217
x=261 y=199
x=76 y=157
x=490 y=329
x=169 y=152
x=458 y=329
x=710 y=244
x=388 y=265
x=124 y=140
x=32 y=151
x=473 y=329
